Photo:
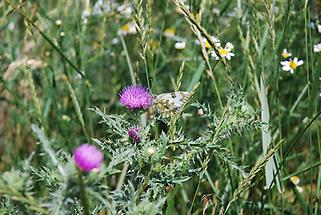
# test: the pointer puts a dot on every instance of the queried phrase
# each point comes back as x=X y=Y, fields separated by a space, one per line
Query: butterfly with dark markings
x=169 y=104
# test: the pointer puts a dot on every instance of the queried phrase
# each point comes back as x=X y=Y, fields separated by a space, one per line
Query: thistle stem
x=83 y=196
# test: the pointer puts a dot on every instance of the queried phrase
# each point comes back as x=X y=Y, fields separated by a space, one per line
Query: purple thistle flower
x=136 y=97
x=134 y=135
x=87 y=157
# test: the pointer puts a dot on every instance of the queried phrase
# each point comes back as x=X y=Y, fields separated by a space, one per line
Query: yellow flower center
x=293 y=64
x=125 y=28
x=223 y=52
x=285 y=55
x=207 y=45
x=295 y=180
x=155 y=44
x=169 y=32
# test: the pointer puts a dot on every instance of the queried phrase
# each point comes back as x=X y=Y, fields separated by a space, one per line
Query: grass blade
x=45 y=37
x=197 y=76
x=271 y=165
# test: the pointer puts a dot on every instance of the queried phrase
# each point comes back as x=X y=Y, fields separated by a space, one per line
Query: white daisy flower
x=213 y=55
x=125 y=10
x=180 y=45
x=225 y=52
x=295 y=180
x=229 y=45
x=317 y=47
x=129 y=28
x=216 y=41
x=169 y=32
x=291 y=65
x=102 y=7
x=285 y=54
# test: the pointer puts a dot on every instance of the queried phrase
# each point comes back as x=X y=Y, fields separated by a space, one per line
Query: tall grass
x=64 y=63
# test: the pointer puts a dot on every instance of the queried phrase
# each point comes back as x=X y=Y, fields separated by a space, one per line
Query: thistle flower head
x=136 y=97
x=87 y=157
x=134 y=135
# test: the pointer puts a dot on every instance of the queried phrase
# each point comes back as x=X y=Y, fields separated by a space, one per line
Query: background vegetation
x=63 y=64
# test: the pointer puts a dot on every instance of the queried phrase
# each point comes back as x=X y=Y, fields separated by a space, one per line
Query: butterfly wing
x=168 y=104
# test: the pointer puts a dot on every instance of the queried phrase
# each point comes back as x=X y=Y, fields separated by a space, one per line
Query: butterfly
x=169 y=104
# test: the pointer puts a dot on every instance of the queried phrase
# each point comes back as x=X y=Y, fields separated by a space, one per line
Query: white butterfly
x=168 y=104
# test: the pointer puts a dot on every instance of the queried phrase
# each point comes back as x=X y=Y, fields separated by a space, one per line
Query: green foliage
x=63 y=64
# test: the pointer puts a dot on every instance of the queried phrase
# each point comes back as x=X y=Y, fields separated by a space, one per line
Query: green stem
x=195 y=194
x=204 y=166
x=144 y=184
x=132 y=75
x=146 y=72
x=83 y=196
x=122 y=176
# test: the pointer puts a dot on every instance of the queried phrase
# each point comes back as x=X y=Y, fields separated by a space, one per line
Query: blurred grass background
x=38 y=84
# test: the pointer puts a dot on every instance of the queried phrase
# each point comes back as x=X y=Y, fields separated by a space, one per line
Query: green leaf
x=197 y=76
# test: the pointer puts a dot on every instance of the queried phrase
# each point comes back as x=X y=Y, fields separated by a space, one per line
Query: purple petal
x=136 y=97
x=87 y=157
